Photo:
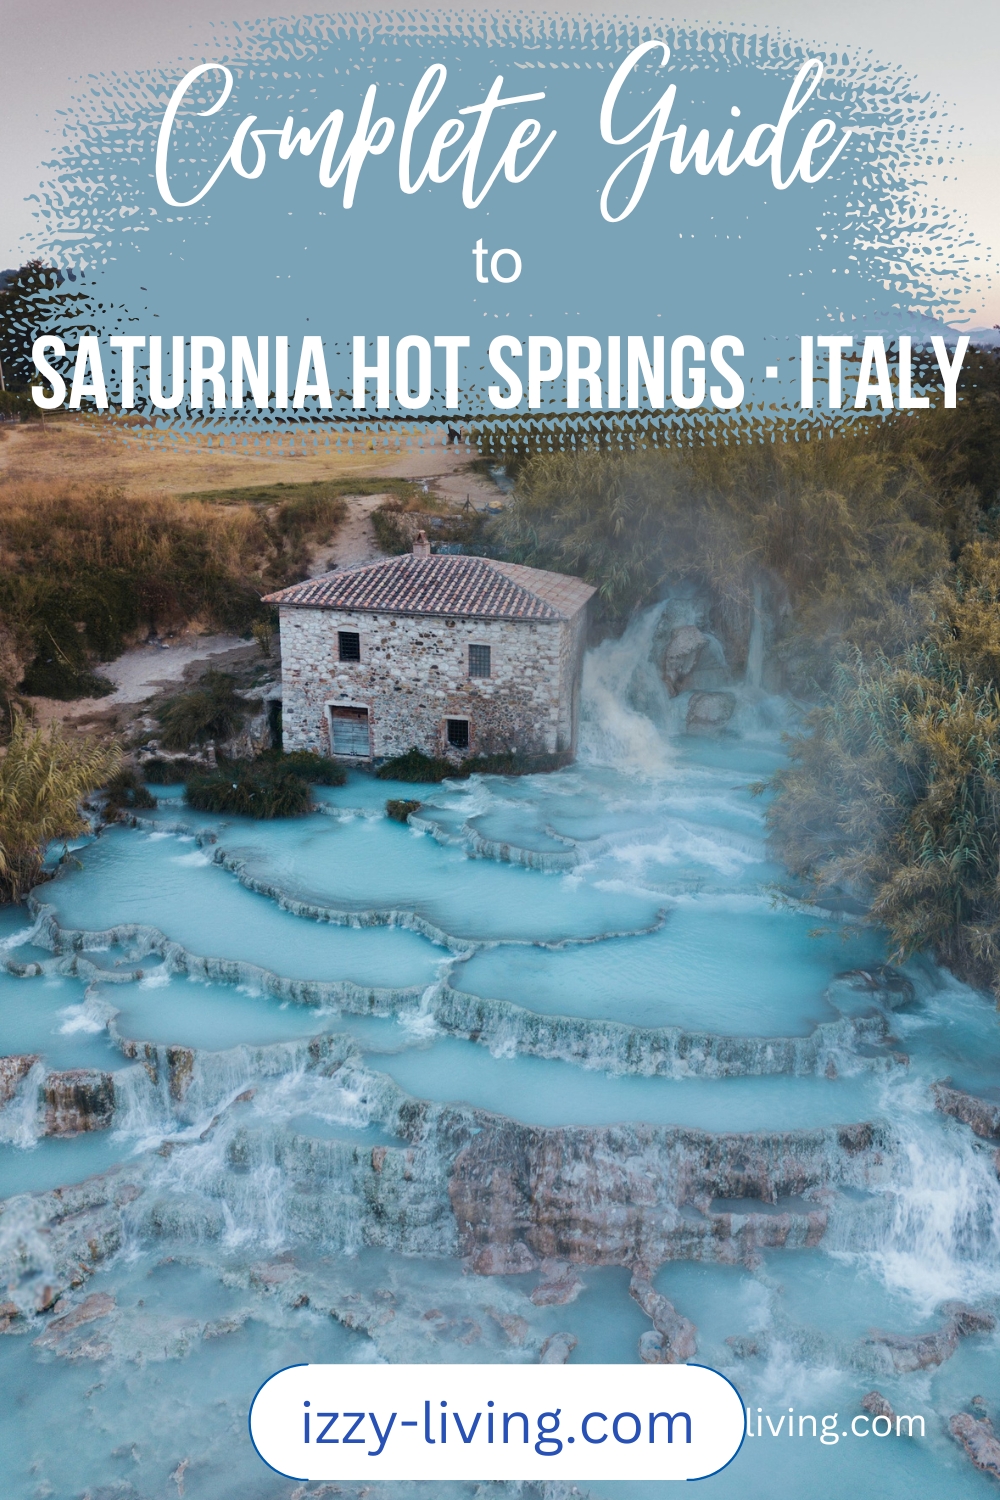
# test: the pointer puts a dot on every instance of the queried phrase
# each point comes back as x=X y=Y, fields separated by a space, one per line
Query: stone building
x=457 y=656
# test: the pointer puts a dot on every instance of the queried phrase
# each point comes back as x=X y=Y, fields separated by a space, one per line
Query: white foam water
x=618 y=676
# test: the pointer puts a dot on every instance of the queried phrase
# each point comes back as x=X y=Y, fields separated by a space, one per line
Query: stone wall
x=572 y=645
x=414 y=675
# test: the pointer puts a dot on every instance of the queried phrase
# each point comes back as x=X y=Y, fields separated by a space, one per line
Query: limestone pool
x=255 y=1080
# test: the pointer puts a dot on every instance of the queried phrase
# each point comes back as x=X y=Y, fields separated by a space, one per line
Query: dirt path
x=355 y=539
x=456 y=481
x=139 y=674
x=453 y=482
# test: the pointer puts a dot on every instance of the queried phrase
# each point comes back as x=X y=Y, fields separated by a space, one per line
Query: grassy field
x=109 y=452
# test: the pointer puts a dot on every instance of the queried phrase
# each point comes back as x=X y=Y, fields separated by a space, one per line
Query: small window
x=458 y=733
x=349 y=642
x=479 y=661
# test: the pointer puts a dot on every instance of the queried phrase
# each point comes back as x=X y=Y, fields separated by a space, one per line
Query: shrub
x=393 y=534
x=317 y=769
x=312 y=511
x=52 y=678
x=210 y=711
x=399 y=810
x=86 y=569
x=418 y=767
x=250 y=789
x=414 y=765
x=42 y=780
x=11 y=667
x=166 y=772
x=513 y=764
x=126 y=793
x=263 y=633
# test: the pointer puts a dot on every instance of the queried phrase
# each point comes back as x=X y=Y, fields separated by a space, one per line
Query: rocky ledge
x=979 y=1440
x=461 y=1182
x=13 y=1071
x=981 y=1115
x=77 y=1100
x=855 y=1042
x=878 y=1353
x=642 y=1195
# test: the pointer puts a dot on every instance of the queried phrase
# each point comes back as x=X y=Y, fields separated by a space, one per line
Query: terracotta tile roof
x=465 y=587
x=565 y=593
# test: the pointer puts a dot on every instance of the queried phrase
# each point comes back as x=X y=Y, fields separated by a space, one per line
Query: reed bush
x=43 y=778
x=392 y=533
x=211 y=710
x=160 y=772
x=127 y=792
x=894 y=789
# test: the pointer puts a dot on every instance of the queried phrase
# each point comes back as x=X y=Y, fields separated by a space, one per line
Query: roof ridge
x=440 y=584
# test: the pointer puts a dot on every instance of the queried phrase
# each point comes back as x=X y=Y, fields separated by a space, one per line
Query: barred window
x=479 y=661
x=349 y=642
x=458 y=734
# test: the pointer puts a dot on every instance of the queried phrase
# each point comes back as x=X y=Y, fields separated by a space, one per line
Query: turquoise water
x=190 y=1012
x=166 y=881
x=360 y=863
x=539 y=1091
x=732 y=965
x=48 y=1016
x=56 y=1163
x=635 y=887
x=15 y=926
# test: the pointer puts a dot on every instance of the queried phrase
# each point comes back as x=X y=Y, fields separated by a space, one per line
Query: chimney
x=421 y=546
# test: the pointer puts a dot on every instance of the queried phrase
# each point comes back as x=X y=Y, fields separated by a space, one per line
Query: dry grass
x=69 y=524
x=109 y=452
x=85 y=570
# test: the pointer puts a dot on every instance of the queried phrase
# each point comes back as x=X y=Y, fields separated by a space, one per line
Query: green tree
x=38 y=299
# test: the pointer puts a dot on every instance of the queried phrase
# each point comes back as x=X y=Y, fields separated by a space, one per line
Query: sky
x=953 y=52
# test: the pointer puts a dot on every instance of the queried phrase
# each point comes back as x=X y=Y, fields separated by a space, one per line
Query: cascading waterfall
x=755 y=646
x=19 y=1120
x=628 y=718
x=944 y=1237
x=623 y=702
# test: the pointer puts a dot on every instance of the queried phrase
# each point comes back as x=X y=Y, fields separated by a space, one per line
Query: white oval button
x=483 y=1422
